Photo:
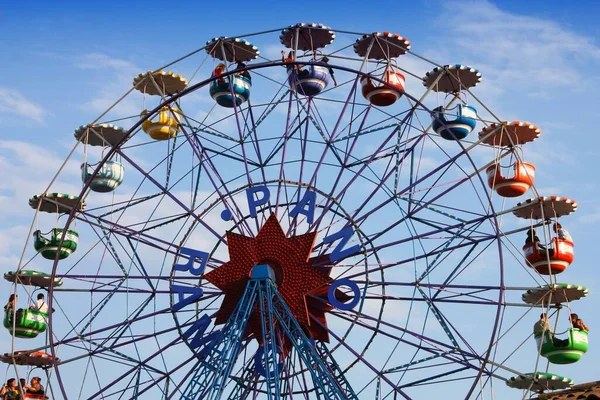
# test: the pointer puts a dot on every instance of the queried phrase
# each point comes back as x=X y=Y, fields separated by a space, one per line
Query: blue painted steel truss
x=219 y=357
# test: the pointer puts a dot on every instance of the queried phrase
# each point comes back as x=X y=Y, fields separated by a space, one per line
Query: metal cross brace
x=213 y=375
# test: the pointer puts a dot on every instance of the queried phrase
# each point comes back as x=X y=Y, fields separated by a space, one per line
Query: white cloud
x=12 y=102
x=518 y=50
x=116 y=76
x=26 y=169
x=101 y=61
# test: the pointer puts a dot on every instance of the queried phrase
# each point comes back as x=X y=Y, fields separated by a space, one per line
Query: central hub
x=262 y=271
x=301 y=281
x=277 y=270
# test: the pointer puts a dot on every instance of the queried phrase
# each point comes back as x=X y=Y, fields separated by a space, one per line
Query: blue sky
x=64 y=63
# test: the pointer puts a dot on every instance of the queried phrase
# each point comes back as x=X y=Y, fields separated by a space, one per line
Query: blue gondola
x=108 y=178
x=220 y=91
x=310 y=80
x=455 y=123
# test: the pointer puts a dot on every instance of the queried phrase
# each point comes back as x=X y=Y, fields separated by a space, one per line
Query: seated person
x=40 y=305
x=245 y=74
x=578 y=323
x=291 y=57
x=10 y=390
x=219 y=70
x=35 y=387
x=542 y=326
x=12 y=302
x=533 y=238
x=561 y=233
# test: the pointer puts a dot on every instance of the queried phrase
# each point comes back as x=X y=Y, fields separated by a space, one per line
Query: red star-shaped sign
x=302 y=282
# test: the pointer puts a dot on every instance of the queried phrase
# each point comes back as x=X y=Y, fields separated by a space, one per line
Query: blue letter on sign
x=260 y=366
x=195 y=292
x=344 y=235
x=252 y=202
x=200 y=327
x=310 y=198
x=194 y=255
x=338 y=304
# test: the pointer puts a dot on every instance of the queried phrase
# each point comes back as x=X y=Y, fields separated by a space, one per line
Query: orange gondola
x=518 y=184
x=561 y=255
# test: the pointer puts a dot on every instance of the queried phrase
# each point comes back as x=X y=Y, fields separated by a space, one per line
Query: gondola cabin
x=48 y=245
x=222 y=92
x=576 y=347
x=309 y=80
x=454 y=123
x=511 y=186
x=26 y=323
x=561 y=257
x=380 y=94
x=108 y=178
x=165 y=127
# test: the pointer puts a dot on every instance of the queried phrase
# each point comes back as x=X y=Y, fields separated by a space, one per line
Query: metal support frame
x=211 y=378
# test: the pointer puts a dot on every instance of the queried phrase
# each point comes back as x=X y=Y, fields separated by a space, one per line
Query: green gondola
x=576 y=347
x=27 y=323
x=48 y=246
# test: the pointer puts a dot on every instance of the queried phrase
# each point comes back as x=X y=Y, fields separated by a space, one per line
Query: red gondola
x=562 y=256
x=518 y=184
x=380 y=94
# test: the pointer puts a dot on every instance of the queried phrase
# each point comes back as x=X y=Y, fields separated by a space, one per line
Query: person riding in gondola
x=291 y=57
x=35 y=387
x=578 y=323
x=12 y=302
x=561 y=233
x=40 y=305
x=219 y=70
x=245 y=74
x=542 y=326
x=10 y=390
x=533 y=238
x=325 y=60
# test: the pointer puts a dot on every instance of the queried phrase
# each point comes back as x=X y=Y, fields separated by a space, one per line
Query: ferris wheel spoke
x=456 y=298
x=328 y=146
x=426 y=204
x=128 y=233
x=482 y=238
x=171 y=196
x=462 y=266
x=269 y=108
x=237 y=115
x=358 y=173
x=440 y=250
x=379 y=185
x=253 y=136
x=435 y=347
x=211 y=172
x=134 y=368
x=443 y=166
x=66 y=340
x=361 y=359
x=289 y=133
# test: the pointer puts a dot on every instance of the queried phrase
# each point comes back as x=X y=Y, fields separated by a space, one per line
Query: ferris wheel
x=320 y=221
